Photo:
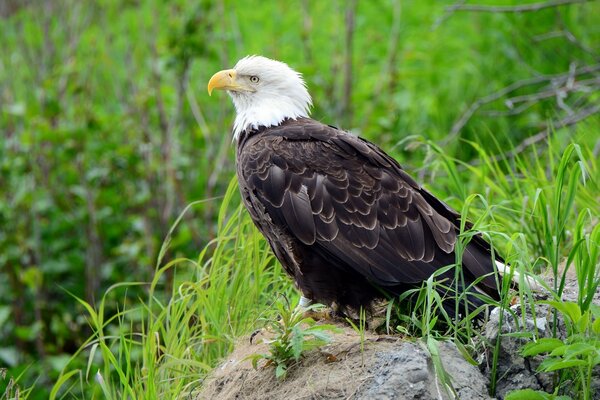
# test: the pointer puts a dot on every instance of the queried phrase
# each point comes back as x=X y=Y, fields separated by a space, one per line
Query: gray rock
x=408 y=373
x=513 y=370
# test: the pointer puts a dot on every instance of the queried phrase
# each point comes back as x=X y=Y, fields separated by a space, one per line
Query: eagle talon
x=319 y=315
x=332 y=313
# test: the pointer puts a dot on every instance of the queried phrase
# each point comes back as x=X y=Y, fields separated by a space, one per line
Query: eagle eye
x=254 y=79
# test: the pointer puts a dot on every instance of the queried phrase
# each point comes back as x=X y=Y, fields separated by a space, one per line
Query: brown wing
x=345 y=197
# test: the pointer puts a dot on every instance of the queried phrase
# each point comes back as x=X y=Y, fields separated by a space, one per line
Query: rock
x=409 y=367
x=513 y=370
x=387 y=368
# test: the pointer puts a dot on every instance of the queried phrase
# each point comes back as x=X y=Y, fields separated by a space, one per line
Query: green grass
x=153 y=349
x=553 y=196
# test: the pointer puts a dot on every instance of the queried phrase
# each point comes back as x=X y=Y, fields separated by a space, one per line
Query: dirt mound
x=385 y=368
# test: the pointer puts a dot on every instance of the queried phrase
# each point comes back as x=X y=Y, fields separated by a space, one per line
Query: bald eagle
x=347 y=223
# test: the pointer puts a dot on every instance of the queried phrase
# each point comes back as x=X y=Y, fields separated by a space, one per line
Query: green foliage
x=422 y=311
x=361 y=328
x=530 y=394
x=107 y=136
x=12 y=390
x=576 y=356
x=585 y=255
x=153 y=348
x=431 y=344
x=293 y=335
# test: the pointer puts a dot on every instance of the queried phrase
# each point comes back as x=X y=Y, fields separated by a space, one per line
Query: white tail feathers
x=516 y=276
x=304 y=302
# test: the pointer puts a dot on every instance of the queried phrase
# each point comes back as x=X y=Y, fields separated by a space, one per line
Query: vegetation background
x=107 y=135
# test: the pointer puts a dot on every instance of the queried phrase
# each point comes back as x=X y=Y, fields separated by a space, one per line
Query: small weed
x=576 y=356
x=360 y=329
x=294 y=334
x=10 y=388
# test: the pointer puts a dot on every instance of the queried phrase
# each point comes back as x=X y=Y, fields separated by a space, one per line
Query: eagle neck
x=270 y=111
x=244 y=135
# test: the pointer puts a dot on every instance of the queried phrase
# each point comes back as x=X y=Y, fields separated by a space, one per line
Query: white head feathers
x=279 y=93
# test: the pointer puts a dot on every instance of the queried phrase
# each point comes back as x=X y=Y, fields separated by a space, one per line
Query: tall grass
x=158 y=348
x=540 y=210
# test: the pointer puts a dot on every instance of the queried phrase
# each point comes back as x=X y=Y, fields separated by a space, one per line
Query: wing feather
x=297 y=213
x=349 y=199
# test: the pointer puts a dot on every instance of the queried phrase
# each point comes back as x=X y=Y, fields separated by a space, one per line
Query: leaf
x=326 y=327
x=280 y=371
x=255 y=360
x=321 y=336
x=596 y=326
x=296 y=342
x=543 y=345
x=440 y=371
x=61 y=381
x=308 y=321
x=594 y=308
x=528 y=394
x=574 y=350
x=583 y=322
x=432 y=346
x=465 y=353
x=103 y=385
x=312 y=344
x=569 y=309
x=554 y=364
x=559 y=351
x=91 y=359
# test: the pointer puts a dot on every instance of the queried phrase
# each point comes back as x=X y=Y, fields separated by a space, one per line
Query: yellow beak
x=225 y=80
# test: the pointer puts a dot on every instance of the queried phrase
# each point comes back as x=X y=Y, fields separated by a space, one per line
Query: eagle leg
x=333 y=312
x=303 y=307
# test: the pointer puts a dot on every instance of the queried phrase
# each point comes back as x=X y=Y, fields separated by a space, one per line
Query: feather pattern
x=344 y=218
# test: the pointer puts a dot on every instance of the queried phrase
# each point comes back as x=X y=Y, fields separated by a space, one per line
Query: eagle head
x=265 y=92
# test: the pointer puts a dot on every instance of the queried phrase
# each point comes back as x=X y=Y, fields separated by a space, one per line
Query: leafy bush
x=574 y=357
